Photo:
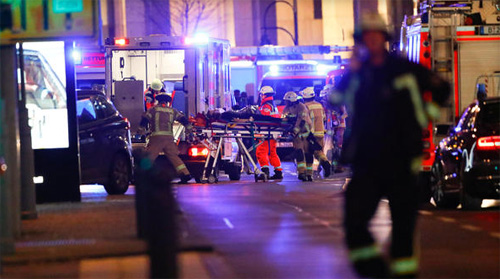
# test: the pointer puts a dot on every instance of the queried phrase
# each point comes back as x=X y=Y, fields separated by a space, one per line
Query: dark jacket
x=388 y=110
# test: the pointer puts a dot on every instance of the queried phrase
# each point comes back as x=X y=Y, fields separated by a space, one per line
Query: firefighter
x=151 y=92
x=266 y=152
x=160 y=119
x=390 y=100
x=318 y=117
x=301 y=129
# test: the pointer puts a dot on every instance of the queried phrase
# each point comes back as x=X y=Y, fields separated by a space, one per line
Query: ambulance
x=194 y=69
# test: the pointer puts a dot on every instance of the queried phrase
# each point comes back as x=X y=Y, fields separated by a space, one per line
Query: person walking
x=301 y=129
x=390 y=100
x=160 y=119
x=266 y=151
x=318 y=117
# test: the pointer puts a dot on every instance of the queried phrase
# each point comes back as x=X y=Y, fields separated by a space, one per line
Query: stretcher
x=239 y=129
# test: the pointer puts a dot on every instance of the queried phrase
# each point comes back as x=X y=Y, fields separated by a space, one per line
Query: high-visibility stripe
x=279 y=168
x=315 y=106
x=180 y=167
x=162 y=133
x=309 y=168
x=162 y=109
x=301 y=165
x=364 y=253
x=157 y=122
x=404 y=266
x=409 y=82
x=264 y=166
x=303 y=135
x=319 y=133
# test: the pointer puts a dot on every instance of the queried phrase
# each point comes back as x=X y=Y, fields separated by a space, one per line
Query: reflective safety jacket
x=317 y=114
x=161 y=119
x=390 y=105
x=267 y=107
x=303 y=124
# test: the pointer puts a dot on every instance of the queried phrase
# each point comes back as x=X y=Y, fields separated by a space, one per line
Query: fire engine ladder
x=444 y=17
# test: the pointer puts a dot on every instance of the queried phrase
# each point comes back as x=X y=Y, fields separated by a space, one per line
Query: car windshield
x=489 y=117
x=281 y=86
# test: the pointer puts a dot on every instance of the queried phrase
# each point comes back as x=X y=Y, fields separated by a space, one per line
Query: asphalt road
x=293 y=229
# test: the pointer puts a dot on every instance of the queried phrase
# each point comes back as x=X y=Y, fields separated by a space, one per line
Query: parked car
x=105 y=145
x=466 y=168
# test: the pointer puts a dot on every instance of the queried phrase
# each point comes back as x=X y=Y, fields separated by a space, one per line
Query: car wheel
x=119 y=175
x=234 y=172
x=468 y=202
x=440 y=197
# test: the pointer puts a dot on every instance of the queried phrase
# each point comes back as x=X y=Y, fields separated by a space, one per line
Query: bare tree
x=186 y=15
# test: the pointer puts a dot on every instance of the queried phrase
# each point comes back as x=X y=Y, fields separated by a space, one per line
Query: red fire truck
x=459 y=40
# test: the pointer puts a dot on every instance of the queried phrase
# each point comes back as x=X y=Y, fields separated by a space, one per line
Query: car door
x=87 y=118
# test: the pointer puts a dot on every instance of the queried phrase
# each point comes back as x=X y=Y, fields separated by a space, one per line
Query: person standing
x=301 y=129
x=151 y=92
x=318 y=117
x=390 y=100
x=160 y=119
x=266 y=152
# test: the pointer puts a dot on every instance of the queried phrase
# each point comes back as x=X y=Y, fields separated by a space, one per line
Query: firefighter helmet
x=156 y=85
x=266 y=90
x=371 y=22
x=164 y=97
x=290 y=96
x=308 y=93
x=326 y=90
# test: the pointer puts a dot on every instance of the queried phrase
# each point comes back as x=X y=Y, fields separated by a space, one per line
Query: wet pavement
x=283 y=229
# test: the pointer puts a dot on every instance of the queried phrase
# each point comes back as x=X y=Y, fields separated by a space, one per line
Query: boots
x=309 y=178
x=327 y=168
x=302 y=176
x=266 y=171
x=277 y=175
x=185 y=178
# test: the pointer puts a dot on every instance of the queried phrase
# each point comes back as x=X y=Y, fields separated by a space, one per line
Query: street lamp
x=295 y=39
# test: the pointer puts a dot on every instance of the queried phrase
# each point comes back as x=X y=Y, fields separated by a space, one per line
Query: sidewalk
x=94 y=238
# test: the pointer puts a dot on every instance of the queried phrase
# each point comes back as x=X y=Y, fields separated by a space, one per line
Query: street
x=292 y=229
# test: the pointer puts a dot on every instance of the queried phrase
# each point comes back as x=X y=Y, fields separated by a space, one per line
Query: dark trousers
x=362 y=197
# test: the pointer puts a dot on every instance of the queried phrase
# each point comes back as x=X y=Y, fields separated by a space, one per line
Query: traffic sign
x=25 y=20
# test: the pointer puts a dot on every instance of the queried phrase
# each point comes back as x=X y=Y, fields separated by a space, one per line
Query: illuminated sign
x=47 y=20
x=93 y=59
x=297 y=68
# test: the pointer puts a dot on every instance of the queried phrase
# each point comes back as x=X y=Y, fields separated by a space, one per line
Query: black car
x=105 y=146
x=466 y=168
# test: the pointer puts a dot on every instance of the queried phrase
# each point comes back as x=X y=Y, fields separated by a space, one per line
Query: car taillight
x=128 y=122
x=488 y=143
x=198 y=151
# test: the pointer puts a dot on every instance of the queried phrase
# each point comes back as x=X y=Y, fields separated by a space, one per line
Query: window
x=85 y=111
x=318 y=9
x=105 y=107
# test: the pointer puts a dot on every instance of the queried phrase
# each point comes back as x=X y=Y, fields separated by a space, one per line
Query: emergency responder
x=266 y=152
x=390 y=100
x=151 y=92
x=160 y=119
x=317 y=114
x=301 y=129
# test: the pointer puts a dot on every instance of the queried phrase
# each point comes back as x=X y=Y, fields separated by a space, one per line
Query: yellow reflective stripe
x=157 y=121
x=301 y=165
x=309 y=168
x=364 y=253
x=162 y=109
x=409 y=82
x=303 y=135
x=432 y=110
x=319 y=133
x=315 y=106
x=162 y=133
x=404 y=266
x=180 y=167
